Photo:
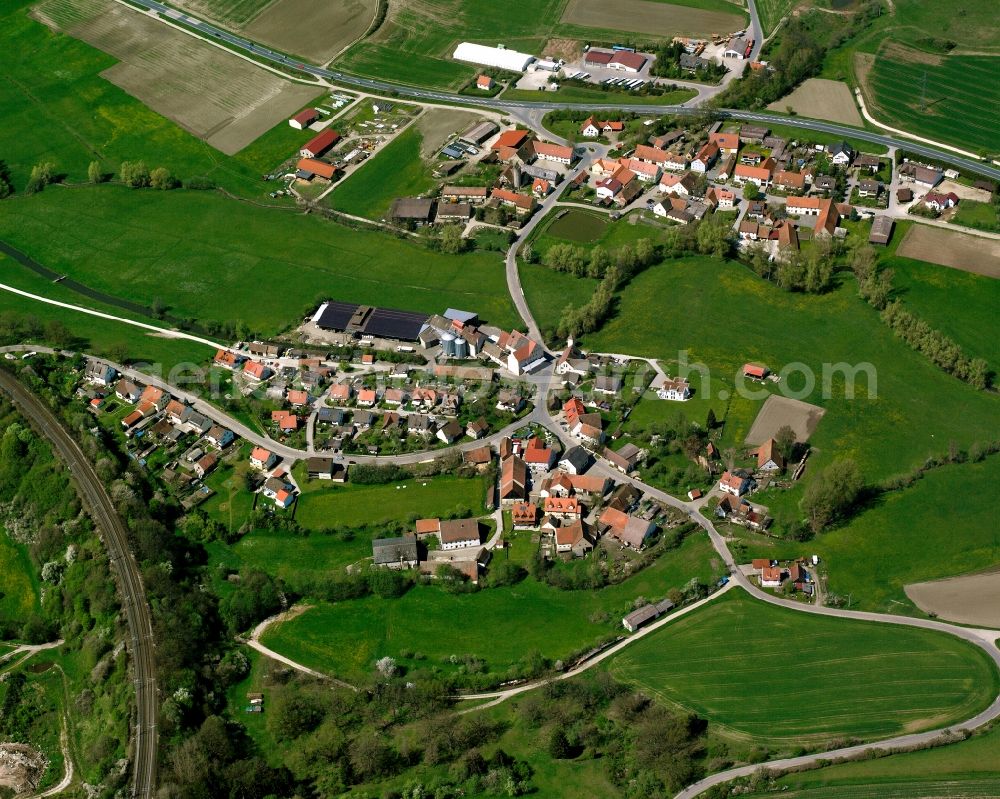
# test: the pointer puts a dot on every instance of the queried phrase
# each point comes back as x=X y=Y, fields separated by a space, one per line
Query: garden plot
x=778 y=412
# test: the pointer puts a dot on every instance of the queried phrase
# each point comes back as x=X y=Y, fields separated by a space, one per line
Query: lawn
x=742 y=318
x=982 y=216
x=212 y=258
x=19 y=587
x=969 y=768
x=956 y=100
x=776 y=676
x=499 y=625
x=324 y=504
x=397 y=170
x=291 y=557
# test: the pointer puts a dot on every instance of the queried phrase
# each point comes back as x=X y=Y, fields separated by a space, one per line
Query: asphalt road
x=288 y=62
x=133 y=593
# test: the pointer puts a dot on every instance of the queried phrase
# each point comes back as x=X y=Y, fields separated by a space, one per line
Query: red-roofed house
x=320 y=144
x=261 y=458
x=255 y=370
x=760 y=175
x=729 y=143
x=938 y=201
x=650 y=154
x=706 y=156
x=341 y=392
x=755 y=372
x=227 y=359
x=539 y=457
x=485 y=82
x=563 y=507
x=628 y=530
x=298 y=399
x=522 y=203
x=627 y=62
x=559 y=153
x=524 y=515
x=735 y=484
x=571 y=537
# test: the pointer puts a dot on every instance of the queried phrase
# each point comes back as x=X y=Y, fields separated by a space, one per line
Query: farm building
x=479 y=132
x=415 y=209
x=304 y=119
x=320 y=144
x=634 y=620
x=309 y=168
x=366 y=320
x=881 y=230
x=395 y=553
x=498 y=57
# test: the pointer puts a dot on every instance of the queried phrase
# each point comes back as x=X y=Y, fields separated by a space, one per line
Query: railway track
x=133 y=595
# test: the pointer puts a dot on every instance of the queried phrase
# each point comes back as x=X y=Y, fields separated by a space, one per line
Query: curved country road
x=138 y=618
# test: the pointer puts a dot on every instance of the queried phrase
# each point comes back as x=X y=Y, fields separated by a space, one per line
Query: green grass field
x=584 y=94
x=742 y=318
x=955 y=101
x=924 y=532
x=209 y=257
x=771 y=12
x=329 y=505
x=966 y=769
x=53 y=82
x=960 y=304
x=395 y=171
x=773 y=675
x=982 y=216
x=19 y=586
x=499 y=625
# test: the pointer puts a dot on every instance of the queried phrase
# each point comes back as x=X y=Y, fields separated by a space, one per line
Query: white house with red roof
x=261 y=458
x=735 y=484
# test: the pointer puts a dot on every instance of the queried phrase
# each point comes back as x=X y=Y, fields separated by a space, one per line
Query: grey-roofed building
x=395 y=553
x=413 y=209
x=479 y=132
x=575 y=460
x=881 y=230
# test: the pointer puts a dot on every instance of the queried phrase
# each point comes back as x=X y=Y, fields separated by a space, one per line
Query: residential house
x=735 y=483
x=706 y=156
x=257 y=371
x=571 y=361
x=563 y=508
x=509 y=143
x=925 y=176
x=367 y=398
x=571 y=538
x=480 y=456
x=825 y=183
x=869 y=188
x=675 y=162
x=538 y=455
x=868 y=163
x=127 y=391
x=728 y=143
x=789 y=181
x=220 y=436
x=559 y=153
x=769 y=459
x=468 y=194
x=395 y=397
x=676 y=389
x=841 y=153
x=610 y=385
x=771 y=577
x=395 y=553
x=177 y=412
x=737 y=47
x=592 y=128
x=227 y=359
x=261 y=458
x=575 y=461
x=485 y=83
x=521 y=203
x=286 y=421
x=99 y=373
x=758 y=175
x=477 y=429
x=458 y=533
x=298 y=399
x=524 y=515
x=803 y=206
x=826 y=221
x=940 y=202
x=450 y=432
x=646 y=173
x=679 y=185
x=726 y=169
x=340 y=393
x=725 y=198
x=509 y=401
x=540 y=188
x=594 y=485
x=513 y=478
x=206 y=464
x=630 y=531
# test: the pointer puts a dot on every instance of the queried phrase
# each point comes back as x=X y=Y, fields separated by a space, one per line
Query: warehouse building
x=498 y=57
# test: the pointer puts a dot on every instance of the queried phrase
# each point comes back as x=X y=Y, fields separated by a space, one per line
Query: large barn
x=348 y=317
x=498 y=57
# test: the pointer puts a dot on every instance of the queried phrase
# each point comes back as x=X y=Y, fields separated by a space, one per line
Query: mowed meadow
x=211 y=258
x=775 y=676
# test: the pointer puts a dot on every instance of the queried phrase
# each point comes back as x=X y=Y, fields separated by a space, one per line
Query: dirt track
x=947 y=248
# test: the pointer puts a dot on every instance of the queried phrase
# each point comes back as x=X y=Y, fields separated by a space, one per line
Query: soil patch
x=650 y=18
x=21 y=767
x=899 y=53
x=969 y=599
x=964 y=192
x=777 y=412
x=318 y=31
x=822 y=99
x=949 y=248
x=218 y=97
x=568 y=50
x=437 y=125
